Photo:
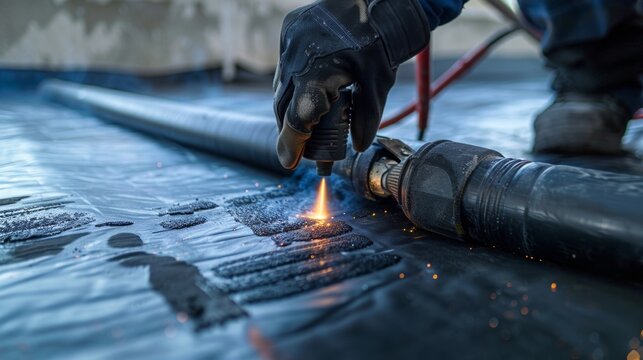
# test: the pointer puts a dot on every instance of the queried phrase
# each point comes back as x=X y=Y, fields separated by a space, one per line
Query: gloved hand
x=333 y=43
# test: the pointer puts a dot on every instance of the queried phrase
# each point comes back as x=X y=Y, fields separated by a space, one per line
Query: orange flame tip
x=320 y=210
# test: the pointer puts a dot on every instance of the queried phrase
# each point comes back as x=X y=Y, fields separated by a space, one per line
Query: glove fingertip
x=290 y=146
x=361 y=142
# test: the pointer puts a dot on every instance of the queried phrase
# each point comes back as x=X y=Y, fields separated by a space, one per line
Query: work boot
x=578 y=123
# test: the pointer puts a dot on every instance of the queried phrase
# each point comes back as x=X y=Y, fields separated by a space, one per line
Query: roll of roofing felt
x=247 y=138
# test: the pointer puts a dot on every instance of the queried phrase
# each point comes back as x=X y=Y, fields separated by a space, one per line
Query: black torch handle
x=330 y=136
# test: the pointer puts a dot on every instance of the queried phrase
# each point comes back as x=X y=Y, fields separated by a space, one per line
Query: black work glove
x=334 y=43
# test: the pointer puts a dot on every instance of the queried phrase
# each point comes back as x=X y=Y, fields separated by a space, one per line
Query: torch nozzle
x=324 y=168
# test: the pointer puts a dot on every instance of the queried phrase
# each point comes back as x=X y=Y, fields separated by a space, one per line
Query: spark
x=524 y=311
x=553 y=287
x=182 y=317
x=633 y=355
x=493 y=322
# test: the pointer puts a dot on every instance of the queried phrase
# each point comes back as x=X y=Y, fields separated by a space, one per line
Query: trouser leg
x=594 y=47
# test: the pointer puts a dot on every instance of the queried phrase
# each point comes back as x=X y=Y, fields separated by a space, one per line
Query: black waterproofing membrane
x=115 y=244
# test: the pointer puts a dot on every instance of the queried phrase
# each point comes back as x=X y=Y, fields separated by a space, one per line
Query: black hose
x=249 y=139
x=588 y=218
x=567 y=214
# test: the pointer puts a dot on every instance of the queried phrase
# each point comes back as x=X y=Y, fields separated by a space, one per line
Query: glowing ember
x=320 y=210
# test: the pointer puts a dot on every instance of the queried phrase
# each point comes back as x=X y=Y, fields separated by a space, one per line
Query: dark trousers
x=594 y=46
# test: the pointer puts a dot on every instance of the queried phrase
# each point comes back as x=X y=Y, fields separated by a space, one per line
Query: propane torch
x=327 y=144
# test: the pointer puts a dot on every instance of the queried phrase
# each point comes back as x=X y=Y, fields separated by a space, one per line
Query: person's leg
x=596 y=50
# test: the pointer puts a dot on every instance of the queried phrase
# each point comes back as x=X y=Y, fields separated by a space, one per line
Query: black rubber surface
x=62 y=297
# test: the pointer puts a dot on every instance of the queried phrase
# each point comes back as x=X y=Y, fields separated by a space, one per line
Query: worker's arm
x=440 y=12
x=333 y=43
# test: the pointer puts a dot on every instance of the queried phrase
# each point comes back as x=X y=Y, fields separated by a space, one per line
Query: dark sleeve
x=441 y=12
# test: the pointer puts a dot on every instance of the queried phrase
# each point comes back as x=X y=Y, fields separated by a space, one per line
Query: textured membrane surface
x=183 y=222
x=189 y=208
x=311 y=232
x=320 y=275
x=268 y=260
x=323 y=260
x=281 y=273
x=36 y=222
x=225 y=290
x=115 y=223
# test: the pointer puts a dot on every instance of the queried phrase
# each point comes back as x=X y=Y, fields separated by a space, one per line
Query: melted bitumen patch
x=12 y=200
x=360 y=265
x=125 y=240
x=261 y=198
x=38 y=249
x=189 y=208
x=21 y=227
x=115 y=223
x=183 y=222
x=269 y=213
x=185 y=289
x=280 y=274
x=273 y=259
x=33 y=208
x=319 y=230
x=331 y=255
x=281 y=226
x=256 y=215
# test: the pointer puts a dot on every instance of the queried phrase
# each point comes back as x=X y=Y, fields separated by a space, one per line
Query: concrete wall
x=476 y=22
x=166 y=36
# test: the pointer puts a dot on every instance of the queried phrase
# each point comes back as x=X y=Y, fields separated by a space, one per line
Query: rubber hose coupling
x=429 y=185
